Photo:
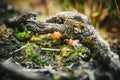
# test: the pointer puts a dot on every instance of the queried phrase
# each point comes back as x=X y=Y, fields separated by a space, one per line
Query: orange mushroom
x=56 y=35
x=70 y=41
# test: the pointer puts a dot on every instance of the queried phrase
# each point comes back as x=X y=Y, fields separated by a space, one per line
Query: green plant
x=23 y=35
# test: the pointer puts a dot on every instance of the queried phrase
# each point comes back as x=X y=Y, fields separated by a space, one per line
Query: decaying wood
x=76 y=26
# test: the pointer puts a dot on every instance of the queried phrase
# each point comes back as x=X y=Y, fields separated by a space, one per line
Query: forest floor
x=53 y=59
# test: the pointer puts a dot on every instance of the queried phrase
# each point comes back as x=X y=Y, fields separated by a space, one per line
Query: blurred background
x=104 y=14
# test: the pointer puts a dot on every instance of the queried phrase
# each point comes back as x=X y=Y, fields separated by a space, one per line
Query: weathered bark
x=16 y=73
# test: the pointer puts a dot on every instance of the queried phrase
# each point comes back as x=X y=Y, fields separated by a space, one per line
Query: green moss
x=32 y=57
x=23 y=35
x=66 y=56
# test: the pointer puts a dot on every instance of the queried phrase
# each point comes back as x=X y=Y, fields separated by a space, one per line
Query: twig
x=50 y=49
x=9 y=60
x=20 y=48
x=44 y=49
x=18 y=65
x=61 y=73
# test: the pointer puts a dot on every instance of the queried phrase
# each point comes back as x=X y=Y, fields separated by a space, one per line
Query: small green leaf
x=83 y=50
x=20 y=35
